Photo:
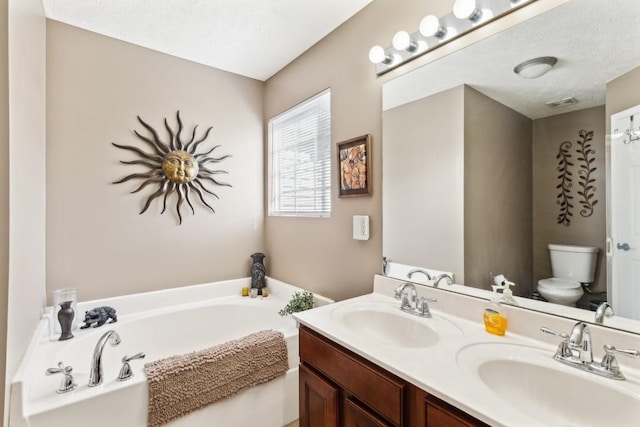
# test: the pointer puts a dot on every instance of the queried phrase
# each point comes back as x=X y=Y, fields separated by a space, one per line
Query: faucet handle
x=405 y=303
x=609 y=349
x=609 y=362
x=563 y=348
x=125 y=371
x=422 y=306
x=398 y=291
x=67 y=384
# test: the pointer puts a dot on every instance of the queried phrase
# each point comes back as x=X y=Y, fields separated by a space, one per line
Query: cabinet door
x=358 y=416
x=318 y=400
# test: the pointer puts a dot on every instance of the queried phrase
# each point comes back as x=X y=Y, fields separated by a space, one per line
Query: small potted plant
x=300 y=301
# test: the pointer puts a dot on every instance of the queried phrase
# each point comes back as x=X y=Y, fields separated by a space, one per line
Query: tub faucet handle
x=67 y=384
x=125 y=371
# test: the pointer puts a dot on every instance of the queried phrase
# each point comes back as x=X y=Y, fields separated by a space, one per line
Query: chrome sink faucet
x=95 y=374
x=406 y=301
x=418 y=270
x=603 y=310
x=410 y=302
x=576 y=350
x=580 y=340
x=439 y=277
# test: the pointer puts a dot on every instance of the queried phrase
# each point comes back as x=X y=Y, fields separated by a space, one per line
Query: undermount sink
x=528 y=379
x=387 y=325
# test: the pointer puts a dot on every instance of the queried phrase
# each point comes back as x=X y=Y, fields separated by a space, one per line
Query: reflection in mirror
x=484 y=169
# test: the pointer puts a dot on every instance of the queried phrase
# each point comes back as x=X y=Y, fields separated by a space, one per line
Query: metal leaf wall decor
x=586 y=188
x=586 y=155
x=564 y=197
x=175 y=166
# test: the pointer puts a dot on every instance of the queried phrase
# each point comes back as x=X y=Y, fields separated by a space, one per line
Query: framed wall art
x=354 y=167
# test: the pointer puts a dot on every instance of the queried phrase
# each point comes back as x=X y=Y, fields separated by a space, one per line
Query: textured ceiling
x=595 y=41
x=253 y=38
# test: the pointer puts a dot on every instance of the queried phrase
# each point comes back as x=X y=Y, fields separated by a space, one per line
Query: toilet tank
x=573 y=262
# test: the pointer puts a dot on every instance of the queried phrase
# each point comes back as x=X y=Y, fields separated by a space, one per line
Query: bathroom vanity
x=365 y=362
x=338 y=387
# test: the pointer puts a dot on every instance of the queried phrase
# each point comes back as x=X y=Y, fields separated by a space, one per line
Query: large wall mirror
x=483 y=168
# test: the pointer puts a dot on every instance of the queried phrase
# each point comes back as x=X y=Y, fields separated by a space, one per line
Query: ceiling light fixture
x=536 y=67
x=467 y=15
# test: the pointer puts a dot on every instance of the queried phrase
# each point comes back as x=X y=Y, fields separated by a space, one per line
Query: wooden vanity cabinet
x=442 y=414
x=340 y=388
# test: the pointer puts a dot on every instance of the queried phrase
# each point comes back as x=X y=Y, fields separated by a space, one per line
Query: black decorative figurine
x=99 y=316
x=65 y=317
x=258 y=272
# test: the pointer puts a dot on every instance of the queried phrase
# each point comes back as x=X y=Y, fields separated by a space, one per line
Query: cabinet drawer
x=381 y=392
x=441 y=414
x=356 y=415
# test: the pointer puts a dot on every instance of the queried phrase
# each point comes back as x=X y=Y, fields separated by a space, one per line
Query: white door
x=625 y=213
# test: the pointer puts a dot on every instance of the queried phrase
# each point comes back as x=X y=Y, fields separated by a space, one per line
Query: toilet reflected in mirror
x=572 y=267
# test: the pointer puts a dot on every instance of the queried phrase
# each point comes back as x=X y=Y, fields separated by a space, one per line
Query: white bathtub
x=160 y=324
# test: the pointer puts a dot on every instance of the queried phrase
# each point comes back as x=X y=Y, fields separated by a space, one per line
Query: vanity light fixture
x=377 y=55
x=402 y=41
x=430 y=27
x=467 y=15
x=536 y=67
x=467 y=9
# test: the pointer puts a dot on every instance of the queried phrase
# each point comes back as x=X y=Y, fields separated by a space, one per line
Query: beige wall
x=548 y=134
x=320 y=254
x=619 y=95
x=497 y=193
x=4 y=193
x=423 y=154
x=457 y=187
x=26 y=176
x=96 y=240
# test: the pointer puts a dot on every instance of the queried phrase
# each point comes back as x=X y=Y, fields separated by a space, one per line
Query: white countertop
x=437 y=369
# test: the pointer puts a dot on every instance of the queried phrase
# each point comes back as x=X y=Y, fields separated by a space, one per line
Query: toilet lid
x=558 y=283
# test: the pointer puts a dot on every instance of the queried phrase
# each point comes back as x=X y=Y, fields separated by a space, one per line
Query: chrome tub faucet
x=95 y=374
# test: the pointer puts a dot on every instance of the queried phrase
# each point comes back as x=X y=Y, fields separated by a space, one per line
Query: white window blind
x=300 y=159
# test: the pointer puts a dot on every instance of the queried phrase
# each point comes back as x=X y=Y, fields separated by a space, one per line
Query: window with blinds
x=300 y=159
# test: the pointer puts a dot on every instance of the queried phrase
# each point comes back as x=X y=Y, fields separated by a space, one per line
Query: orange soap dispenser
x=495 y=316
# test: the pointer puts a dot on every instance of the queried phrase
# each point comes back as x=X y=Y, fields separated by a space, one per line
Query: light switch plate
x=361 y=227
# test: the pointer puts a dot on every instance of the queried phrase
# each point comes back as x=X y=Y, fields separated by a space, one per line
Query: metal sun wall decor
x=587 y=189
x=174 y=166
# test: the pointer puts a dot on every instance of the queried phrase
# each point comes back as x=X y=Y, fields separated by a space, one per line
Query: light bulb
x=401 y=40
x=377 y=55
x=430 y=26
x=466 y=9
